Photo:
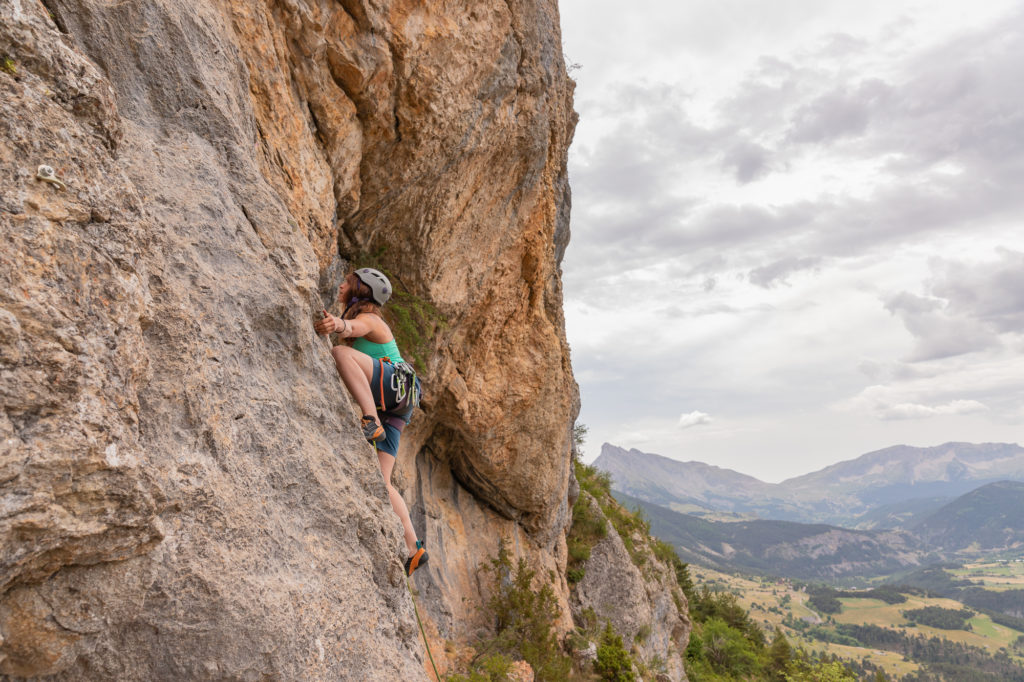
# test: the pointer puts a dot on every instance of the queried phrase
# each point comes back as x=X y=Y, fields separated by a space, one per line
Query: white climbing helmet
x=380 y=287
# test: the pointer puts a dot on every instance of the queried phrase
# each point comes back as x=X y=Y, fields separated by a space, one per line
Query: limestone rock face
x=184 y=491
x=641 y=602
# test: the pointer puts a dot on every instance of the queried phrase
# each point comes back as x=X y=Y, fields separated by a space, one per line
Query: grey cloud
x=728 y=224
x=951 y=105
x=937 y=333
x=707 y=267
x=838 y=113
x=990 y=293
x=840 y=45
x=957 y=104
x=897 y=371
x=940 y=108
x=747 y=160
x=642 y=157
x=968 y=308
x=629 y=236
x=766 y=97
x=779 y=271
x=871 y=369
x=677 y=312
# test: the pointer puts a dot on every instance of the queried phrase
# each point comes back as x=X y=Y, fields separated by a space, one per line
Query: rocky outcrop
x=184 y=492
x=639 y=595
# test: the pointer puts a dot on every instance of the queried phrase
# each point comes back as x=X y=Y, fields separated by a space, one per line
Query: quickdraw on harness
x=405 y=385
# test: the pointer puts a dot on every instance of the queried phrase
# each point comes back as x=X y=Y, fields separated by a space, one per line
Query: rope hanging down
x=422 y=632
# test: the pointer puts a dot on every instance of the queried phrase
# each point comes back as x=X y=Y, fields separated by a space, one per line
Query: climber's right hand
x=326 y=324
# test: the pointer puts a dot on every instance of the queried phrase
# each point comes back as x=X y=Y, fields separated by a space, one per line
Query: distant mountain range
x=989 y=519
x=783 y=548
x=928 y=524
x=894 y=487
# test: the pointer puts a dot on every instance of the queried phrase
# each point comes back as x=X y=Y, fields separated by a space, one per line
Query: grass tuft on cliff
x=414 y=320
x=632 y=526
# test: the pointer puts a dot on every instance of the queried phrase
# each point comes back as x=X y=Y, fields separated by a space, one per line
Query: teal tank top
x=378 y=350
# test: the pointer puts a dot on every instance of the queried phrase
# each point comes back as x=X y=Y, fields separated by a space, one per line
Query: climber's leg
x=387 y=465
x=356 y=370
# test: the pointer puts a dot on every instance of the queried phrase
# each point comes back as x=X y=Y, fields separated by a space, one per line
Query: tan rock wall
x=185 y=495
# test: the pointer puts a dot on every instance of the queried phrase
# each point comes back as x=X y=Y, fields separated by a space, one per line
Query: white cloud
x=691 y=419
x=916 y=411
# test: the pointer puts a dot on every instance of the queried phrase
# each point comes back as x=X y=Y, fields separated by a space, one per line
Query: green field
x=761 y=595
x=992 y=575
x=984 y=633
x=771 y=601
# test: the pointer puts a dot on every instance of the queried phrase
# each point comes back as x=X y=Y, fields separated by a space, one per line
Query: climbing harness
x=46 y=174
x=405 y=385
x=423 y=633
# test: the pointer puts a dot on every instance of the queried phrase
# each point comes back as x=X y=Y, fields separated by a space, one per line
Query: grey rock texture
x=184 y=492
x=642 y=602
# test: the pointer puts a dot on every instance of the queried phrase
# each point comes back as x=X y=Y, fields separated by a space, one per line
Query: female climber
x=367 y=362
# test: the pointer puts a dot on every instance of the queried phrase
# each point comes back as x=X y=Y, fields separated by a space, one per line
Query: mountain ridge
x=838 y=493
x=985 y=521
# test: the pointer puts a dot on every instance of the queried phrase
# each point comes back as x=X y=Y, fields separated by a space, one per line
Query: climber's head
x=376 y=282
x=364 y=291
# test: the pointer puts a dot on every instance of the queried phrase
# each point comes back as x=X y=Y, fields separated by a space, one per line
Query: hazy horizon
x=797 y=475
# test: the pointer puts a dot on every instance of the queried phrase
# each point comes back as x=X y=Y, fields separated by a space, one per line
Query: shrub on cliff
x=494 y=668
x=613 y=663
x=523 y=618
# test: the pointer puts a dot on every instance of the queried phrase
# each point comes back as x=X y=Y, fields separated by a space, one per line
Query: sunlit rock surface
x=185 y=495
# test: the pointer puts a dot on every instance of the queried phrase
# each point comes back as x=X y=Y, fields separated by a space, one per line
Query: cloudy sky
x=798 y=227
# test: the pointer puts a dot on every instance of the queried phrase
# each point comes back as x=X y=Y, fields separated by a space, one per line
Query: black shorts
x=394 y=415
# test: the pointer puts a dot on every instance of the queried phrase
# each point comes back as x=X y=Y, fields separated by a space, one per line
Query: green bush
x=727 y=649
x=597 y=483
x=707 y=605
x=494 y=668
x=523 y=618
x=614 y=663
x=780 y=653
x=832 y=671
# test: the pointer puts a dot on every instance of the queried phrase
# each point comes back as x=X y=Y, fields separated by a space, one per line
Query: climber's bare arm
x=363 y=325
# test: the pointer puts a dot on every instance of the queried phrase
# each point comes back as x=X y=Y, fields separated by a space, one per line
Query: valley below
x=870 y=633
x=901 y=568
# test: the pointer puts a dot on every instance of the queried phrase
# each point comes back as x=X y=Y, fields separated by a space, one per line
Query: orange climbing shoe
x=417 y=559
x=372 y=431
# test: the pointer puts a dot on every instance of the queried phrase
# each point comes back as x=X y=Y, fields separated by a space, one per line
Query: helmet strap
x=351 y=302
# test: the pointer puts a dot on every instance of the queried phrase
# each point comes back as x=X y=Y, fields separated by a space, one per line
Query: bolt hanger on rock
x=46 y=174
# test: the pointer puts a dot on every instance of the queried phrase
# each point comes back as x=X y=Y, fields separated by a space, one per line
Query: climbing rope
x=422 y=631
